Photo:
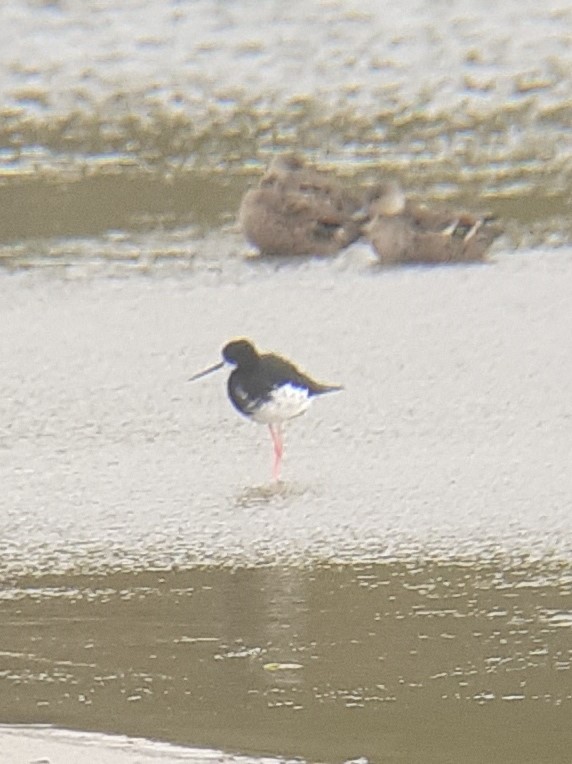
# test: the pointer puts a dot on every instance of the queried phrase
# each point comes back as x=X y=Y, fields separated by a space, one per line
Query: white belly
x=285 y=403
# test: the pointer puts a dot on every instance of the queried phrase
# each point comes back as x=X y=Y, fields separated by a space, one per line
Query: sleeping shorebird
x=402 y=232
x=299 y=210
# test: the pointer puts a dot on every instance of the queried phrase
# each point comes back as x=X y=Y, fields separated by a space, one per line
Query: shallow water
x=405 y=593
x=417 y=661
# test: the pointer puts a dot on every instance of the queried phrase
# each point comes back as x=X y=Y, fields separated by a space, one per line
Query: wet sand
x=451 y=432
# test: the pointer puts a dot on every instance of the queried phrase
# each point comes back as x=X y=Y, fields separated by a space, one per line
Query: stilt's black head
x=240 y=353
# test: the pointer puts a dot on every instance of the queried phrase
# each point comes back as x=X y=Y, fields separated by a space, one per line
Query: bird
x=268 y=389
x=299 y=210
x=402 y=232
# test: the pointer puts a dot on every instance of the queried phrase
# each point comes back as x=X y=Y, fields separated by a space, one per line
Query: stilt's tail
x=318 y=389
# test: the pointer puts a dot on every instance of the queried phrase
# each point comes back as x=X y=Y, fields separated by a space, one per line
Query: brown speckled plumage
x=299 y=210
x=401 y=232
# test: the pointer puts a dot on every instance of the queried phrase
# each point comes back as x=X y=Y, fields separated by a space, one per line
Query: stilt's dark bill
x=267 y=388
x=203 y=373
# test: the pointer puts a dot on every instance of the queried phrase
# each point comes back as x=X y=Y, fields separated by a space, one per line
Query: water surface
x=409 y=661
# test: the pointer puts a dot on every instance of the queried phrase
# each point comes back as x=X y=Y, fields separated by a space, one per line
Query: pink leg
x=276 y=434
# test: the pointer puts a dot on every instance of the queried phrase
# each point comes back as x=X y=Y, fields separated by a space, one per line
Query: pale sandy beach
x=40 y=745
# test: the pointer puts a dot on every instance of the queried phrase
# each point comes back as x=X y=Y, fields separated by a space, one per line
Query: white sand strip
x=40 y=744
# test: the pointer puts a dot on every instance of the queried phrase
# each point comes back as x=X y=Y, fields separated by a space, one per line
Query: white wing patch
x=285 y=402
x=241 y=396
